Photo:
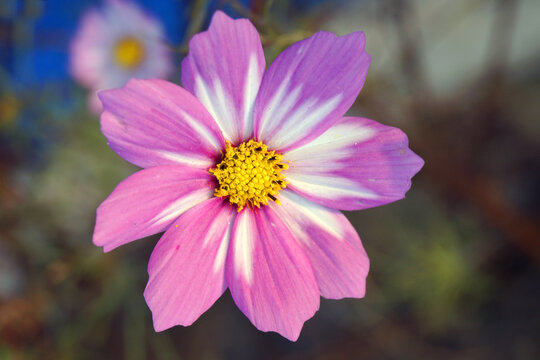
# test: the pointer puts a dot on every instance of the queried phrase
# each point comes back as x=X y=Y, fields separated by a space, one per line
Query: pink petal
x=224 y=69
x=148 y=201
x=87 y=58
x=187 y=266
x=269 y=276
x=339 y=261
x=154 y=122
x=356 y=164
x=308 y=88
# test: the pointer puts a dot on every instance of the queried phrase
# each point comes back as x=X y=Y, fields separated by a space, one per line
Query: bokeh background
x=454 y=266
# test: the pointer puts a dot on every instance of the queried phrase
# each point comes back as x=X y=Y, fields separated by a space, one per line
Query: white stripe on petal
x=303 y=119
x=224 y=69
x=243 y=246
x=202 y=130
x=299 y=208
x=224 y=106
x=213 y=99
x=330 y=186
x=185 y=160
x=221 y=256
x=332 y=144
x=182 y=204
x=355 y=164
x=251 y=88
x=281 y=103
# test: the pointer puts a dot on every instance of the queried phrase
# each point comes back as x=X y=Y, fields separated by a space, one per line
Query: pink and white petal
x=356 y=164
x=187 y=266
x=148 y=201
x=308 y=88
x=338 y=259
x=154 y=122
x=224 y=69
x=269 y=276
x=128 y=19
x=88 y=56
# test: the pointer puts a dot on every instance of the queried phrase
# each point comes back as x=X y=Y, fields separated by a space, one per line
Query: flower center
x=249 y=174
x=129 y=52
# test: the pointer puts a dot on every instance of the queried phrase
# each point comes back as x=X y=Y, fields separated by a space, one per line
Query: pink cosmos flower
x=245 y=170
x=116 y=44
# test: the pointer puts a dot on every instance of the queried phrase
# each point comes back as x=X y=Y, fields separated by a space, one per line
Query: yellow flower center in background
x=249 y=174
x=129 y=52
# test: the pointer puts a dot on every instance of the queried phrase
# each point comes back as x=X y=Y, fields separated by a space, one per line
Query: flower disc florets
x=249 y=174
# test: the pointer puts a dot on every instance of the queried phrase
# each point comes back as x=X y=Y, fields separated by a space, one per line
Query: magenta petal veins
x=339 y=261
x=308 y=88
x=356 y=164
x=220 y=159
x=154 y=122
x=187 y=266
x=147 y=202
x=224 y=69
x=269 y=276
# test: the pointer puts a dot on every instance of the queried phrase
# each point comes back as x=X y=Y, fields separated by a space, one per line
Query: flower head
x=245 y=170
x=116 y=44
x=249 y=174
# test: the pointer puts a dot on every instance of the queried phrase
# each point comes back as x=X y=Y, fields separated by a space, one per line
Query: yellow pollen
x=249 y=174
x=129 y=52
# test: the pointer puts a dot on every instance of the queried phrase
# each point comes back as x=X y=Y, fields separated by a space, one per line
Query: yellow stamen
x=129 y=52
x=249 y=174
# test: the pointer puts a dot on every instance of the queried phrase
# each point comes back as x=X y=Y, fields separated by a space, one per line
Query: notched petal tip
x=356 y=164
x=219 y=19
x=186 y=268
x=223 y=69
x=293 y=107
x=161 y=323
x=419 y=161
x=158 y=324
x=222 y=17
x=152 y=122
x=269 y=276
x=219 y=15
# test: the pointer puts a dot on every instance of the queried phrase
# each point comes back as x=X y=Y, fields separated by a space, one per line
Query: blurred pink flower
x=116 y=44
x=245 y=171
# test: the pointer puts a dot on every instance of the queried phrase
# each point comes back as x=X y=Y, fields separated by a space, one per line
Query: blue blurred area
x=213 y=5
x=37 y=96
x=35 y=34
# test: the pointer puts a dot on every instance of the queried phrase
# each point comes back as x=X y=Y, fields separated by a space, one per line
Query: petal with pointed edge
x=308 y=88
x=154 y=122
x=339 y=261
x=147 y=202
x=269 y=276
x=224 y=69
x=187 y=266
x=356 y=164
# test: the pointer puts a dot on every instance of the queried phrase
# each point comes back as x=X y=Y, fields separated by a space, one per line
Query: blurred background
x=454 y=266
